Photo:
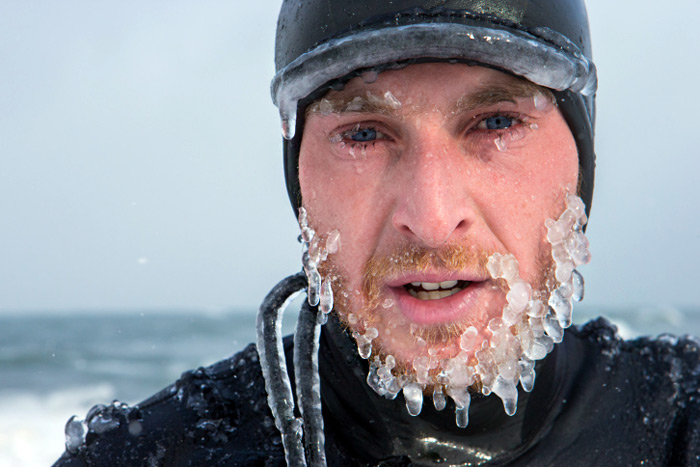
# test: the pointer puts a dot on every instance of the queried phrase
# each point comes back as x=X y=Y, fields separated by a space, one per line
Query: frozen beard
x=489 y=352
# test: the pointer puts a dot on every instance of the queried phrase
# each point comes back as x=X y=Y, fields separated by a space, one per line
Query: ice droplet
x=413 y=394
x=102 y=421
x=562 y=308
x=315 y=253
x=75 y=431
x=565 y=289
x=370 y=76
x=508 y=393
x=563 y=270
x=325 y=107
x=555 y=231
x=289 y=127
x=421 y=366
x=575 y=203
x=468 y=340
x=494 y=265
x=326 y=298
x=501 y=144
x=313 y=293
x=541 y=101
x=537 y=351
x=391 y=100
x=439 y=400
x=307 y=233
x=519 y=295
x=462 y=416
x=535 y=309
x=333 y=242
x=578 y=286
x=373 y=380
x=527 y=374
x=387 y=303
x=553 y=328
x=462 y=399
x=511 y=315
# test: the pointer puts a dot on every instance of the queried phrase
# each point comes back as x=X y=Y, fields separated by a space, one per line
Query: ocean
x=53 y=366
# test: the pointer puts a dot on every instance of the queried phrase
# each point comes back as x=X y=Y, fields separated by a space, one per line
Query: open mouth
x=435 y=290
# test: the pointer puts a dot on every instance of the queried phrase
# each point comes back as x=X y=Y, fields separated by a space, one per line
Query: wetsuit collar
x=372 y=428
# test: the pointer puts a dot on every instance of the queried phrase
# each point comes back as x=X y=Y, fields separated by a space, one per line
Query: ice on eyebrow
x=368 y=103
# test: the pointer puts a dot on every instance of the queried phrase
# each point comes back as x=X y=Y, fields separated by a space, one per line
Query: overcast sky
x=140 y=156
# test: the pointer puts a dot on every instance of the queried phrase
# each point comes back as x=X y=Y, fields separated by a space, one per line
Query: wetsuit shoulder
x=211 y=416
x=637 y=399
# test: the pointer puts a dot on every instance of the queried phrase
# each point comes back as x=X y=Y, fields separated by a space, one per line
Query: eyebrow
x=495 y=94
x=355 y=103
x=488 y=95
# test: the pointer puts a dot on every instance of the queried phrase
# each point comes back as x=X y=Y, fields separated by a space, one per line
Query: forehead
x=427 y=84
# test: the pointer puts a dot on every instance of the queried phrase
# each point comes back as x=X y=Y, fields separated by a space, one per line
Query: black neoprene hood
x=321 y=43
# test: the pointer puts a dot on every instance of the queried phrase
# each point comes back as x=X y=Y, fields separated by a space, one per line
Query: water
x=55 y=366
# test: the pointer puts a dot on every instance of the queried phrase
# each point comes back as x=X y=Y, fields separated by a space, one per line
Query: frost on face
x=369 y=100
x=530 y=324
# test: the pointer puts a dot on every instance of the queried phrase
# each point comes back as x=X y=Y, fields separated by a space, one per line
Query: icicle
x=413 y=394
x=289 y=126
x=508 y=393
x=314 y=289
x=439 y=400
x=308 y=383
x=578 y=286
x=274 y=366
x=527 y=374
x=460 y=395
x=326 y=297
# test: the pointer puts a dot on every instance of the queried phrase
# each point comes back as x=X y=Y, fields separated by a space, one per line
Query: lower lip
x=450 y=309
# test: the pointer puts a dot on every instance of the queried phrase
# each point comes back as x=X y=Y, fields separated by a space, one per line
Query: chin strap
x=308 y=382
x=277 y=383
x=274 y=366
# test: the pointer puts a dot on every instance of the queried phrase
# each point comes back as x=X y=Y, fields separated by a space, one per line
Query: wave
x=31 y=424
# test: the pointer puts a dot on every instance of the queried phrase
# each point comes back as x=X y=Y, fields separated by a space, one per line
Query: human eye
x=364 y=135
x=498 y=130
x=498 y=121
x=361 y=137
x=361 y=133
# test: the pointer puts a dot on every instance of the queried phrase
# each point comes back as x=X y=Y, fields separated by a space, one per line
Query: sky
x=141 y=163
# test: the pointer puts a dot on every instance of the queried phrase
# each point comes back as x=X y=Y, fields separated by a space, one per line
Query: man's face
x=425 y=172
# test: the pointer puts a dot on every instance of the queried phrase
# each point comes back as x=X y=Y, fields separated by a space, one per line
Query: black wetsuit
x=598 y=400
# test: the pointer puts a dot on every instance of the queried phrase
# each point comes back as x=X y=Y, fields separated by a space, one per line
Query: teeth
x=433 y=294
x=435 y=285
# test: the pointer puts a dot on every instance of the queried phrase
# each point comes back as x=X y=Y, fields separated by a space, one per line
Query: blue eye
x=364 y=135
x=498 y=122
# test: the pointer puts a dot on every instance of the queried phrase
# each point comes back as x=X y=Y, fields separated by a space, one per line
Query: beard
x=489 y=350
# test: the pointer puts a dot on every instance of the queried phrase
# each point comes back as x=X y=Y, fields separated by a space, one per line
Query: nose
x=433 y=205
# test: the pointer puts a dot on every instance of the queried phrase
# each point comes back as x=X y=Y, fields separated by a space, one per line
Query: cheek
x=335 y=201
